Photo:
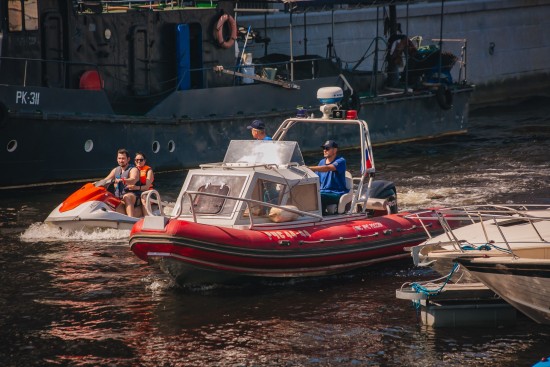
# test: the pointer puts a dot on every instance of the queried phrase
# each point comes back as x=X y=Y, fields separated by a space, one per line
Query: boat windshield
x=263 y=152
x=217 y=185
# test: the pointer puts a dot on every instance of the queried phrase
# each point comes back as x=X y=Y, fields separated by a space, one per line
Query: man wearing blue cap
x=257 y=128
x=332 y=175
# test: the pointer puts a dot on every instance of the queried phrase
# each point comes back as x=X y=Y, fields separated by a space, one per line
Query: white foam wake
x=44 y=232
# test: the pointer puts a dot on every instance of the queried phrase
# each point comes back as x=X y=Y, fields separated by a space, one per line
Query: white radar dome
x=330 y=94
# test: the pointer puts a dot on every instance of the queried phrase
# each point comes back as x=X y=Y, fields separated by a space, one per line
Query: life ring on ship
x=444 y=97
x=219 y=31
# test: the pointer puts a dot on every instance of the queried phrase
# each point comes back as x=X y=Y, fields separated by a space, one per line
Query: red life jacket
x=143 y=175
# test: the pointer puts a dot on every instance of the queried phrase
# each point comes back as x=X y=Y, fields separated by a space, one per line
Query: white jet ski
x=92 y=207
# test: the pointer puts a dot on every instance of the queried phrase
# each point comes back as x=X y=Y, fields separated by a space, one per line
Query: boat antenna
x=332 y=22
x=373 y=89
x=305 y=32
x=440 y=41
x=291 y=46
x=407 y=52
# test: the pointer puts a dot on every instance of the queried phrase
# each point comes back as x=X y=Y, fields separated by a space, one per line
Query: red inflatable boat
x=258 y=214
x=197 y=253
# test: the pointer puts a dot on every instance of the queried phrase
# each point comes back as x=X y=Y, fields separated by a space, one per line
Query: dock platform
x=461 y=305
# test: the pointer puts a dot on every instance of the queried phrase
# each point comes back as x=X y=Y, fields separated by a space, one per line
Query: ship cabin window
x=304 y=197
x=22 y=15
x=204 y=204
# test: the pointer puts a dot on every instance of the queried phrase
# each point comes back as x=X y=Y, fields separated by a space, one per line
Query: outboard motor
x=382 y=189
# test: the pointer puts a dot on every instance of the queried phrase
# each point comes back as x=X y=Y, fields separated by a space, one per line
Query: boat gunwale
x=283 y=252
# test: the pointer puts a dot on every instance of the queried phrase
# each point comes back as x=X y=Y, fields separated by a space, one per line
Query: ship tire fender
x=444 y=97
x=218 y=31
x=351 y=101
x=3 y=114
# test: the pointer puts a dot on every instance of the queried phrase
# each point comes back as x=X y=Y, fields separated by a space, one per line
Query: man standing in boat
x=122 y=176
x=257 y=128
x=332 y=175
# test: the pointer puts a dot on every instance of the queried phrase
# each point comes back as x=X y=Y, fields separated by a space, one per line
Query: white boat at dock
x=494 y=230
x=522 y=278
x=507 y=248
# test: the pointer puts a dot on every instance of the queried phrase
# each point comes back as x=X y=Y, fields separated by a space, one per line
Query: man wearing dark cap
x=257 y=127
x=332 y=175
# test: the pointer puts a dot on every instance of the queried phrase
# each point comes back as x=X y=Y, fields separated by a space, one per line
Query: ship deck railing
x=30 y=71
x=107 y=6
x=27 y=71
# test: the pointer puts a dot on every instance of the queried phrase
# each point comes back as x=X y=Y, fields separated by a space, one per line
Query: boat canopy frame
x=368 y=169
x=285 y=157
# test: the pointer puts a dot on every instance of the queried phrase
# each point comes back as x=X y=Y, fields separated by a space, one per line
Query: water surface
x=83 y=299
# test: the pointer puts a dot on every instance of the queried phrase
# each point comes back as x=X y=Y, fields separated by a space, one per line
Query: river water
x=83 y=299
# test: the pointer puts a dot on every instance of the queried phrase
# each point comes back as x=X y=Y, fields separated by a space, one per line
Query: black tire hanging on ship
x=444 y=97
x=3 y=114
x=351 y=102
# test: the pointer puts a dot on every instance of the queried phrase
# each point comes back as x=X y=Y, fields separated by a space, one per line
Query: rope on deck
x=432 y=292
x=484 y=247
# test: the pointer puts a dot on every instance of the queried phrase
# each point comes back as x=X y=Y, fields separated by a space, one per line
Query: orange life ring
x=218 y=31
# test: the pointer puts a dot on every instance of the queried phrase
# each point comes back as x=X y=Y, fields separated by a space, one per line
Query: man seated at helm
x=332 y=175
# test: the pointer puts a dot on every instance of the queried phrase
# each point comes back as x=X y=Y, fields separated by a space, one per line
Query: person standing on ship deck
x=332 y=175
x=257 y=128
x=122 y=176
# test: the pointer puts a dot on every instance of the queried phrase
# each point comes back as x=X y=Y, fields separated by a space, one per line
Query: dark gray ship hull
x=44 y=143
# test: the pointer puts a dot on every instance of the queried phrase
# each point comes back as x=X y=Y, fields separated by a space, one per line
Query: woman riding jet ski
x=93 y=206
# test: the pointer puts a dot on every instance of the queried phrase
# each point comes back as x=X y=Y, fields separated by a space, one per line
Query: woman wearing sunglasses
x=146 y=178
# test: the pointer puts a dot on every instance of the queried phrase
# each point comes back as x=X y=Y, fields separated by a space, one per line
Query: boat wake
x=47 y=233
x=468 y=189
x=414 y=198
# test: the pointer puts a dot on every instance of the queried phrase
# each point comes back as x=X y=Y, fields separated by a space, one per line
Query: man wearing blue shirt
x=257 y=128
x=332 y=175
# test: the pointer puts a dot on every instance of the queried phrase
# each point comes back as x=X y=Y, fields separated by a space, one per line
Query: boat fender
x=279 y=215
x=444 y=97
x=219 y=31
x=3 y=114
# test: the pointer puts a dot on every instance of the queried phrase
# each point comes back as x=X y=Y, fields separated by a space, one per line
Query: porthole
x=171 y=146
x=89 y=145
x=156 y=146
x=12 y=146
